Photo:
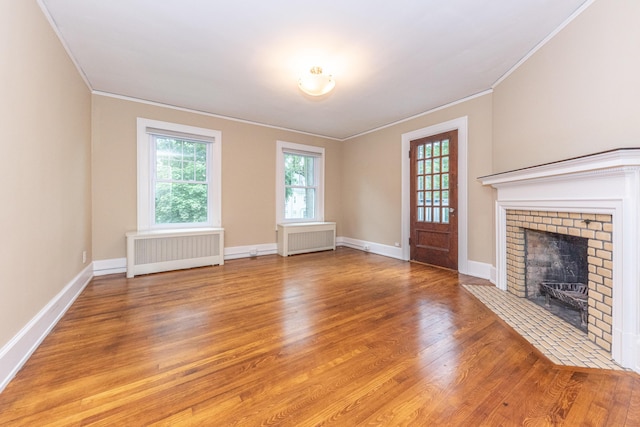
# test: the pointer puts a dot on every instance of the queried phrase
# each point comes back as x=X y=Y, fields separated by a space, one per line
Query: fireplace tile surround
x=597 y=197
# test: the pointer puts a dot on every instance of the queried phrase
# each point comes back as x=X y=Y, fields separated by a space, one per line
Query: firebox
x=557 y=274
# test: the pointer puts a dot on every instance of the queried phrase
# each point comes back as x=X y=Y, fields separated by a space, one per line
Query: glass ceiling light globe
x=315 y=83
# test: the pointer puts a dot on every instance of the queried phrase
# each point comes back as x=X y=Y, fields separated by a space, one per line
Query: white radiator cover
x=165 y=250
x=298 y=238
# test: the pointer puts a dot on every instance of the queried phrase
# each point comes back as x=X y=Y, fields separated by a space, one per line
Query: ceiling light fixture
x=315 y=83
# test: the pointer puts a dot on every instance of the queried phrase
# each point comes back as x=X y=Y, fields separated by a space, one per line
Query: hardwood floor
x=339 y=338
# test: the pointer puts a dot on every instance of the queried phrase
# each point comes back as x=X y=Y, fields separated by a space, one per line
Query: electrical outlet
x=366 y=248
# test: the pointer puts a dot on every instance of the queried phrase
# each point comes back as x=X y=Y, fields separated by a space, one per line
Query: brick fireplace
x=597 y=229
x=596 y=197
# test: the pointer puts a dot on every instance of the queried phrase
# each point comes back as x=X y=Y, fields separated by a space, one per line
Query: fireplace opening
x=557 y=273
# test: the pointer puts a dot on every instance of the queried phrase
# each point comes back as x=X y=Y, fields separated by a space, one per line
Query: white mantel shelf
x=606 y=183
x=613 y=159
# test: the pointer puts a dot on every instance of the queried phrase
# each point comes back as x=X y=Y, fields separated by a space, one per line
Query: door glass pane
x=420 y=214
x=445 y=164
x=427 y=151
x=427 y=166
x=428 y=215
x=445 y=147
x=427 y=195
x=420 y=151
x=445 y=181
x=445 y=198
x=436 y=198
x=436 y=165
x=420 y=183
x=427 y=182
x=436 y=215
x=436 y=182
x=420 y=198
x=445 y=215
x=420 y=167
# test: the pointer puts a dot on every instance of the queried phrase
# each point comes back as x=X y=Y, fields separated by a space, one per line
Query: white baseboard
x=481 y=270
x=374 y=248
x=103 y=267
x=17 y=351
x=476 y=269
x=237 y=252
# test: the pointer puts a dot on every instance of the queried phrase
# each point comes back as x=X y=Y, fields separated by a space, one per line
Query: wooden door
x=434 y=200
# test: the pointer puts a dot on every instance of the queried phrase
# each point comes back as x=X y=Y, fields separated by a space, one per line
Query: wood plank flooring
x=341 y=338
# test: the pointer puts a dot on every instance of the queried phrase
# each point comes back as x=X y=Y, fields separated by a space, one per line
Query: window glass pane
x=445 y=164
x=427 y=182
x=420 y=151
x=163 y=169
x=445 y=215
x=420 y=167
x=201 y=171
x=445 y=181
x=189 y=149
x=299 y=170
x=309 y=172
x=299 y=203
x=427 y=151
x=420 y=214
x=445 y=198
x=445 y=147
x=179 y=203
x=189 y=171
x=436 y=215
x=176 y=149
x=176 y=169
x=436 y=165
x=436 y=149
x=420 y=183
x=201 y=152
x=436 y=182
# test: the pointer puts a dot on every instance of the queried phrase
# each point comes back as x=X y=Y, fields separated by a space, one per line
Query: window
x=300 y=183
x=178 y=176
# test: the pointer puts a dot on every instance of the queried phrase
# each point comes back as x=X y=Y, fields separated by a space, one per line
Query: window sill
x=170 y=231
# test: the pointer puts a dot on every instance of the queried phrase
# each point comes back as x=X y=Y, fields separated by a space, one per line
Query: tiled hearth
x=596 y=197
x=560 y=342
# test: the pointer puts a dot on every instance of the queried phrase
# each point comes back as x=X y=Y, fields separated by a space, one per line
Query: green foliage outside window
x=181 y=189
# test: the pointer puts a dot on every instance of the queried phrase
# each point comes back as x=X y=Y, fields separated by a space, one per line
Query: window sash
x=316 y=187
x=159 y=187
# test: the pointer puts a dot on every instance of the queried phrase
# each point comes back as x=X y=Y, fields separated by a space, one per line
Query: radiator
x=155 y=251
x=305 y=237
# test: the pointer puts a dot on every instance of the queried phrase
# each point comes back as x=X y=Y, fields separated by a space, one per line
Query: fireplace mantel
x=603 y=183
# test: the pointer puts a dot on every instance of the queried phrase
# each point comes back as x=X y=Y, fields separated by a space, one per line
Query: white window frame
x=283 y=147
x=146 y=212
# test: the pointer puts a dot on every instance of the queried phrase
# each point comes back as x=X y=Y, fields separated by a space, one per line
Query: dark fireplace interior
x=557 y=274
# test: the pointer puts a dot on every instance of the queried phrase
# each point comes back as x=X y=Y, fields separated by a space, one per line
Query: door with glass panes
x=434 y=200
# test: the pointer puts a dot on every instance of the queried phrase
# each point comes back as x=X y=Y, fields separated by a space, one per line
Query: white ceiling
x=242 y=59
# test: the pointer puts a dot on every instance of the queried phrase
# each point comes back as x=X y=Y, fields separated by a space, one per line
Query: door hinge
x=409 y=153
x=409 y=240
